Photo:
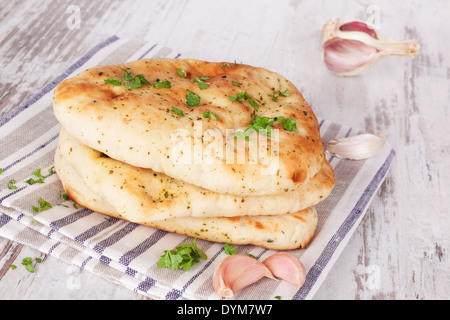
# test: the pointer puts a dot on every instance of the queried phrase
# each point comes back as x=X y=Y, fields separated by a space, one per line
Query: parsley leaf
x=192 y=99
x=113 y=81
x=181 y=72
x=27 y=262
x=43 y=205
x=241 y=96
x=261 y=124
x=11 y=185
x=225 y=65
x=264 y=126
x=134 y=82
x=1 y=170
x=210 y=114
x=128 y=75
x=288 y=124
x=178 y=112
x=162 y=84
x=183 y=257
x=201 y=82
x=38 y=174
x=63 y=196
x=143 y=79
x=285 y=93
x=235 y=83
x=239 y=135
x=229 y=249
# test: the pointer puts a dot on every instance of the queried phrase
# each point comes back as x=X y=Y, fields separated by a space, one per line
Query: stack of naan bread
x=119 y=151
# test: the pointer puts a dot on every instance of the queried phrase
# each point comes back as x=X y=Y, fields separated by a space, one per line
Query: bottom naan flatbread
x=279 y=232
x=145 y=195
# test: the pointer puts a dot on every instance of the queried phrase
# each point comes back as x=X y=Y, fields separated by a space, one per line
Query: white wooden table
x=401 y=248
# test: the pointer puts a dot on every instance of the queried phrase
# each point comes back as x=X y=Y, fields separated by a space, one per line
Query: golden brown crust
x=135 y=126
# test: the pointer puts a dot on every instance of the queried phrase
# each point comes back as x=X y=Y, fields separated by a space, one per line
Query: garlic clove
x=350 y=47
x=344 y=56
x=286 y=267
x=237 y=272
x=359 y=26
x=357 y=147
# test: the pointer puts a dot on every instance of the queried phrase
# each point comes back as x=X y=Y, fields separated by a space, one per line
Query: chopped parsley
x=288 y=124
x=263 y=125
x=130 y=81
x=113 y=81
x=192 y=99
x=63 y=196
x=211 y=115
x=181 y=72
x=183 y=257
x=229 y=249
x=1 y=170
x=38 y=174
x=201 y=82
x=28 y=263
x=178 y=112
x=241 y=96
x=43 y=205
x=11 y=185
x=235 y=83
x=51 y=170
x=162 y=84
x=225 y=65
x=285 y=93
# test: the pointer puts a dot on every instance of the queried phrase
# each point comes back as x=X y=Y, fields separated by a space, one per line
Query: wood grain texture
x=401 y=248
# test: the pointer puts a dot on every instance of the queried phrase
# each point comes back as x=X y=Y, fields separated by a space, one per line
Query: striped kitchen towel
x=126 y=253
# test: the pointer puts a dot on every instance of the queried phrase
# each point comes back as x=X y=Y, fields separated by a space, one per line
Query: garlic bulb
x=237 y=272
x=357 y=147
x=286 y=267
x=351 y=46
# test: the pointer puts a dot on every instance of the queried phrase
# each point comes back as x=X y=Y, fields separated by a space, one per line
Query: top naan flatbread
x=140 y=127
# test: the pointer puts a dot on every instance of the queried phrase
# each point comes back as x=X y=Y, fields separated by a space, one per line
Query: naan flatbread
x=86 y=187
x=140 y=127
x=143 y=195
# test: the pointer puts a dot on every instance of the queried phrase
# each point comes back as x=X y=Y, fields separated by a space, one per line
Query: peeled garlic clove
x=350 y=47
x=357 y=147
x=236 y=272
x=286 y=267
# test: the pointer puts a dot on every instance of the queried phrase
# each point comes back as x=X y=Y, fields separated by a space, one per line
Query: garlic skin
x=286 y=267
x=357 y=147
x=351 y=46
x=237 y=272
